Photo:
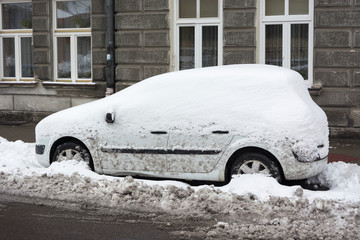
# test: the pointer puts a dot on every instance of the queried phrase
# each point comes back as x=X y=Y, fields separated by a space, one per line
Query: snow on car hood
x=262 y=102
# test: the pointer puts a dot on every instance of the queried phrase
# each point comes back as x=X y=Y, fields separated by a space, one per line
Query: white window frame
x=197 y=23
x=17 y=34
x=73 y=34
x=286 y=20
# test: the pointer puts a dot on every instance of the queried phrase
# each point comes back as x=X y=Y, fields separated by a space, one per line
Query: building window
x=198 y=37
x=16 y=48
x=287 y=35
x=72 y=41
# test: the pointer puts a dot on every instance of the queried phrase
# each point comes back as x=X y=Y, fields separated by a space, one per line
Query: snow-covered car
x=199 y=124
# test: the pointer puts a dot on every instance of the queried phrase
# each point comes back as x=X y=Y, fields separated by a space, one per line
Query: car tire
x=72 y=151
x=250 y=163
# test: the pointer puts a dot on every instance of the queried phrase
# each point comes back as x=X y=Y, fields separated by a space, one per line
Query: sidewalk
x=346 y=150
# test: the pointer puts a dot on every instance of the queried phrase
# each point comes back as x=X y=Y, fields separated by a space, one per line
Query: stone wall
x=239 y=31
x=337 y=63
x=42 y=39
x=142 y=40
x=98 y=39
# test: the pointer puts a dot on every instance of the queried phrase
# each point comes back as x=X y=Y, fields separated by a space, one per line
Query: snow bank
x=252 y=206
x=17 y=161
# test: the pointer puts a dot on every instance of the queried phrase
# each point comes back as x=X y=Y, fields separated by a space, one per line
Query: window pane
x=297 y=7
x=273 y=45
x=27 y=51
x=187 y=8
x=300 y=49
x=73 y=14
x=274 y=7
x=17 y=15
x=64 y=62
x=9 y=57
x=209 y=46
x=84 y=57
x=187 y=47
x=208 y=8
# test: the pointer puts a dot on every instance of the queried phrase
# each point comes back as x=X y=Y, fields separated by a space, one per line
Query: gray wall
x=239 y=31
x=337 y=63
x=142 y=40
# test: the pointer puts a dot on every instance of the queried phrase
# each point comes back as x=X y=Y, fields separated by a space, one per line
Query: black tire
x=72 y=151
x=249 y=163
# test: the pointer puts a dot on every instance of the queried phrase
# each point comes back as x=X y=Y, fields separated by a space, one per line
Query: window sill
x=51 y=84
x=18 y=83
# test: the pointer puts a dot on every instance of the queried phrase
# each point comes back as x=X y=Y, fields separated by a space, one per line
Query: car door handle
x=158 y=132
x=220 y=132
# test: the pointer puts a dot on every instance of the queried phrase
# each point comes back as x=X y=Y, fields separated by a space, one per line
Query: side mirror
x=110 y=117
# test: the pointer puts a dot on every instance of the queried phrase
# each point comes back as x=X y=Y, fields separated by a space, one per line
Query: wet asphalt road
x=30 y=221
x=25 y=218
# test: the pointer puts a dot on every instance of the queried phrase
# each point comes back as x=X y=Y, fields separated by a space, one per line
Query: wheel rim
x=70 y=154
x=253 y=166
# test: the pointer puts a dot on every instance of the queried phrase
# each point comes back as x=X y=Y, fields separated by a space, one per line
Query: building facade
x=54 y=54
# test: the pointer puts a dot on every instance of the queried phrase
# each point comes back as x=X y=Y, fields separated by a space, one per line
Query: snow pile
x=18 y=162
x=252 y=206
x=17 y=154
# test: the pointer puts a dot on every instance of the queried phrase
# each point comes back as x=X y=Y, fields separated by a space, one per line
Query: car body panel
x=199 y=151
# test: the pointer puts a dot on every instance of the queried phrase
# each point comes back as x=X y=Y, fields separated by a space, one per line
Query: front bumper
x=42 y=152
x=295 y=170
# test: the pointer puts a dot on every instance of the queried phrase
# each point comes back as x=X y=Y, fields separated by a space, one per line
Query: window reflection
x=300 y=48
x=208 y=8
x=273 y=45
x=64 y=62
x=17 y=16
x=187 y=48
x=9 y=57
x=209 y=46
x=27 y=64
x=73 y=14
x=84 y=57
x=297 y=7
x=187 y=8
x=274 y=7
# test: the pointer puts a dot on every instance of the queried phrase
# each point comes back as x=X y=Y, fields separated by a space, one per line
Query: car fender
x=89 y=142
x=279 y=150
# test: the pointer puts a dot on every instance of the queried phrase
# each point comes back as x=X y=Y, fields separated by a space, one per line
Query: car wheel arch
x=65 y=140
x=245 y=150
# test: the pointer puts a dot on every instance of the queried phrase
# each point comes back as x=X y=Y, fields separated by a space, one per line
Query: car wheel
x=72 y=151
x=250 y=163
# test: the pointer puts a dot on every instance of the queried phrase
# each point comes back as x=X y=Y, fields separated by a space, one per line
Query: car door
x=133 y=148
x=196 y=152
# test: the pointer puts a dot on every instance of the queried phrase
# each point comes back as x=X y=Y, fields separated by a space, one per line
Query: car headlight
x=309 y=154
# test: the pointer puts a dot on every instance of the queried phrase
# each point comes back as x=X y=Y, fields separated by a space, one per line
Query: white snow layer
x=21 y=174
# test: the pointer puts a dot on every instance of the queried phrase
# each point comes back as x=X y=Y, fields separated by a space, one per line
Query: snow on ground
x=254 y=206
